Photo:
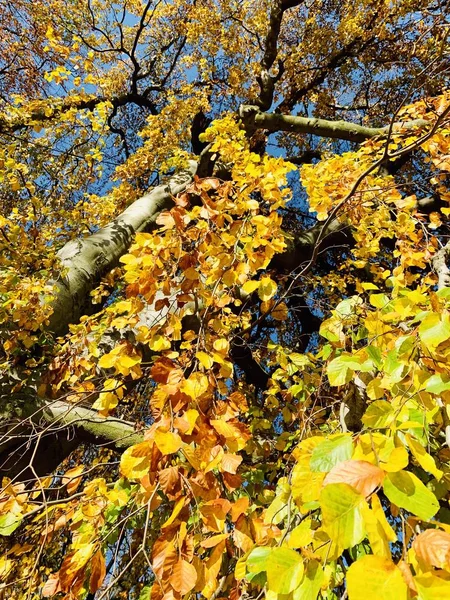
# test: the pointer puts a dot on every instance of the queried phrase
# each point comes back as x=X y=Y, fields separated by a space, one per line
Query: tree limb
x=342 y=130
x=103 y=430
x=85 y=261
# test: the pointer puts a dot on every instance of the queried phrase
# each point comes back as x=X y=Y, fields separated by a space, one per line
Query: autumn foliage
x=226 y=374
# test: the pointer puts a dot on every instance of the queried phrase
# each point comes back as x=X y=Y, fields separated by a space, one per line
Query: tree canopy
x=225 y=299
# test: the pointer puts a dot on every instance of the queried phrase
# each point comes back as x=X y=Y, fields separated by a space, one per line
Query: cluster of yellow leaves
x=374 y=205
x=202 y=262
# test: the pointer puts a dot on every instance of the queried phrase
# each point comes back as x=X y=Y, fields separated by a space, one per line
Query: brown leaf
x=360 y=474
x=184 y=577
x=72 y=478
x=52 y=586
x=98 y=571
x=433 y=547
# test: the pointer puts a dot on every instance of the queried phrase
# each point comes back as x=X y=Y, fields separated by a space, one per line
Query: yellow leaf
x=109 y=396
x=423 y=458
x=267 y=288
x=250 y=286
x=175 y=512
x=81 y=557
x=302 y=535
x=158 y=343
x=204 y=359
x=375 y=532
x=378 y=511
x=397 y=460
x=135 y=461
x=374 y=577
x=168 y=442
x=221 y=345
x=195 y=386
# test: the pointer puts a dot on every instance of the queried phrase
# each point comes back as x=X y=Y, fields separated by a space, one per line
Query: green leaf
x=379 y=300
x=347 y=306
x=394 y=368
x=9 y=523
x=341 y=514
x=330 y=452
x=340 y=369
x=284 y=570
x=146 y=593
x=405 y=490
x=310 y=586
x=436 y=384
x=257 y=559
x=434 y=330
x=431 y=587
x=374 y=578
x=379 y=414
x=375 y=355
x=299 y=360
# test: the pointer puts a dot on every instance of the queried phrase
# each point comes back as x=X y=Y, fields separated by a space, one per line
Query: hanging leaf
x=405 y=490
x=331 y=451
x=284 y=570
x=168 y=442
x=184 y=577
x=375 y=577
x=432 y=587
x=312 y=582
x=341 y=512
x=98 y=571
x=360 y=474
x=433 y=547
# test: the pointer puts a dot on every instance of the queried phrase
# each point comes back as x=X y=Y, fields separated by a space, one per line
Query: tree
x=224 y=291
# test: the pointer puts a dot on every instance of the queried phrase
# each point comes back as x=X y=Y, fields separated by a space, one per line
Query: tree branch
x=342 y=130
x=441 y=267
x=101 y=430
x=85 y=261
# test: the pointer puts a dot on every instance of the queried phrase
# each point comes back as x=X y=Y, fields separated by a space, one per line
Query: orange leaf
x=238 y=508
x=360 y=474
x=433 y=547
x=230 y=463
x=71 y=478
x=280 y=312
x=98 y=571
x=184 y=577
x=52 y=586
x=214 y=540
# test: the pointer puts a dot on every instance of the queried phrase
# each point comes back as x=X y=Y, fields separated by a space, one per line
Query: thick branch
x=102 y=430
x=85 y=261
x=441 y=267
x=265 y=80
x=341 y=130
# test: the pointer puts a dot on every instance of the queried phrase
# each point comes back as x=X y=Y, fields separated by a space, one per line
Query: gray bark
x=440 y=266
x=85 y=261
x=104 y=430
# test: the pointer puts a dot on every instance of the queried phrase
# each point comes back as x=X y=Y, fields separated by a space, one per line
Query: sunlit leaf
x=341 y=511
x=284 y=570
x=405 y=490
x=360 y=474
x=375 y=577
